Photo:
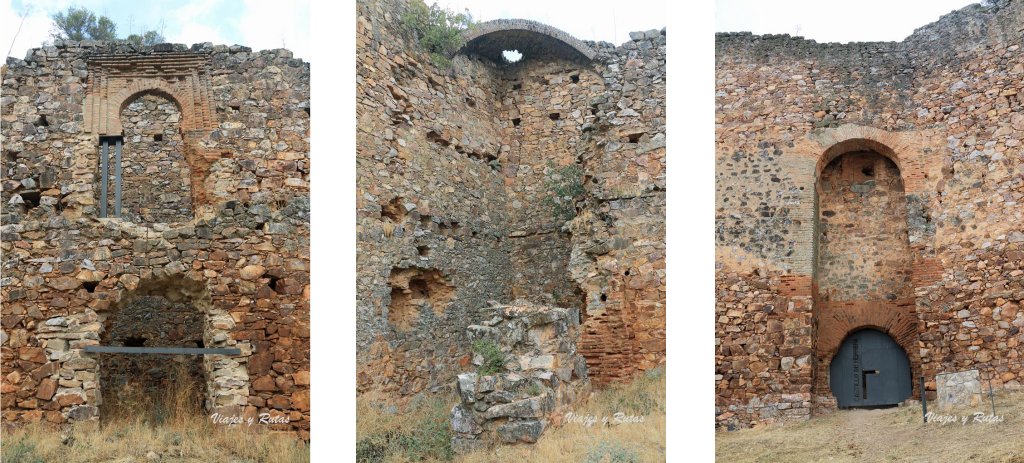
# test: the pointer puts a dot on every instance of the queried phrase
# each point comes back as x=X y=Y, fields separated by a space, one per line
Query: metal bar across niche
x=163 y=350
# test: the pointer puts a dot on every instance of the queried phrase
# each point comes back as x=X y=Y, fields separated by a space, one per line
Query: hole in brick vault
x=868 y=171
x=512 y=56
x=154 y=387
x=516 y=121
x=90 y=286
x=42 y=122
x=414 y=289
x=554 y=116
x=158 y=137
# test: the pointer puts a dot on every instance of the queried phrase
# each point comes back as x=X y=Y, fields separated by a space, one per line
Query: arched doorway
x=869 y=370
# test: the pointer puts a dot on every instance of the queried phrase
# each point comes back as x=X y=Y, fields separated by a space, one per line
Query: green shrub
x=564 y=186
x=494 y=358
x=20 y=452
x=612 y=452
x=438 y=30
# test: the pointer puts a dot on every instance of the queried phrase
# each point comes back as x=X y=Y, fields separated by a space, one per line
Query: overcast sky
x=849 y=21
x=260 y=24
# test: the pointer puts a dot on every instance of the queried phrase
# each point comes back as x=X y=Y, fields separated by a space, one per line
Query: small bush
x=564 y=186
x=494 y=358
x=20 y=452
x=438 y=30
x=612 y=452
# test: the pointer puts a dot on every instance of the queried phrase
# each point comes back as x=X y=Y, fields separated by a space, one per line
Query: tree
x=77 y=23
x=150 y=38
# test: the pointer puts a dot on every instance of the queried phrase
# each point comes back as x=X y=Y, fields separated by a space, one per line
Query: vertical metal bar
x=924 y=402
x=103 y=184
x=992 y=397
x=117 y=177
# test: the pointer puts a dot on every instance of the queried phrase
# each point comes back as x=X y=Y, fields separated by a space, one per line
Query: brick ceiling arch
x=531 y=38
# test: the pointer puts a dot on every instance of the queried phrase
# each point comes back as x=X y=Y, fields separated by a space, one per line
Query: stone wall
x=233 y=234
x=537 y=375
x=464 y=174
x=943 y=108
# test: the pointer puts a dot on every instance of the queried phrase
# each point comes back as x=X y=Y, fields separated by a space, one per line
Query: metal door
x=870 y=369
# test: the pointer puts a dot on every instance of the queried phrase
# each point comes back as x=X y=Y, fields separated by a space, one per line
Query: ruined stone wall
x=944 y=107
x=430 y=197
x=459 y=172
x=243 y=250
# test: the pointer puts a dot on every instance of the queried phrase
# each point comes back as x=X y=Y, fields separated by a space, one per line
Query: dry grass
x=623 y=443
x=135 y=424
x=895 y=434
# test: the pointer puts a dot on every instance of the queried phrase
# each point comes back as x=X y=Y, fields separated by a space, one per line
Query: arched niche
x=531 y=39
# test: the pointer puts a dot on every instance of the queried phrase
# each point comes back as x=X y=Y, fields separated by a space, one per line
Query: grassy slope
x=895 y=434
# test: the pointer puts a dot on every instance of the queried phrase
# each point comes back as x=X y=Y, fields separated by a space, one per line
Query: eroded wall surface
x=458 y=168
x=944 y=107
x=218 y=212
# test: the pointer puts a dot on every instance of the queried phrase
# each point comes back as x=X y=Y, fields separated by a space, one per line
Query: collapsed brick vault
x=459 y=169
x=867 y=186
x=203 y=155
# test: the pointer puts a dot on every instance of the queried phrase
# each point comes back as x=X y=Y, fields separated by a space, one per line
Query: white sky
x=259 y=24
x=836 y=21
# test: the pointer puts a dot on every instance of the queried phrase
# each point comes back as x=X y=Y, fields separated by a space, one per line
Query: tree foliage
x=438 y=30
x=78 y=23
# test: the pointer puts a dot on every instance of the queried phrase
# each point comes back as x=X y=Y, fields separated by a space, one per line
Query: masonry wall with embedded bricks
x=935 y=266
x=215 y=224
x=469 y=174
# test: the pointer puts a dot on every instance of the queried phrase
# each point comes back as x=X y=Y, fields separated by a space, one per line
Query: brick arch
x=902 y=148
x=532 y=38
x=896 y=319
x=156 y=87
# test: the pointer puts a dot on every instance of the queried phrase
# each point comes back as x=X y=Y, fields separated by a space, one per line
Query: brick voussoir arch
x=522 y=28
x=903 y=148
x=156 y=87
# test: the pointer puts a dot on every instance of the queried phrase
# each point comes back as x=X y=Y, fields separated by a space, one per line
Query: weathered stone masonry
x=212 y=246
x=454 y=172
x=868 y=185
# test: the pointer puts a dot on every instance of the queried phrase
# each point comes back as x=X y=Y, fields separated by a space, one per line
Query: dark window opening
x=555 y=116
x=516 y=121
x=31 y=198
x=158 y=137
x=273 y=283
x=604 y=298
x=236 y=108
x=868 y=171
x=90 y=286
x=134 y=342
x=575 y=78
x=42 y=122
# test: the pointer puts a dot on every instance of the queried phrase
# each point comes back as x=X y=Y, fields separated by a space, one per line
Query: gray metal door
x=870 y=369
